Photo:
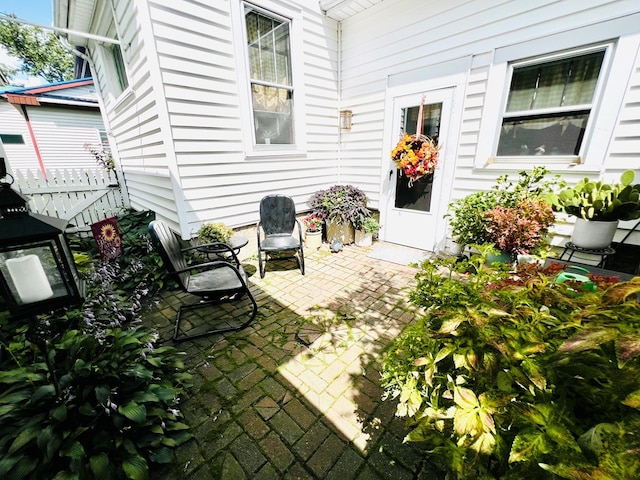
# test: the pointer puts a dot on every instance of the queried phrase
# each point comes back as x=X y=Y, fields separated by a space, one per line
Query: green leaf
x=25 y=437
x=529 y=445
x=134 y=412
x=65 y=476
x=75 y=450
x=633 y=400
x=136 y=468
x=59 y=413
x=103 y=392
x=593 y=439
x=160 y=455
x=101 y=467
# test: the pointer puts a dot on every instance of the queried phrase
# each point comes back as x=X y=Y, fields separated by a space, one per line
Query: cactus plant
x=599 y=201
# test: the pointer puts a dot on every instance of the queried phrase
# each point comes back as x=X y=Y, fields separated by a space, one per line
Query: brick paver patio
x=296 y=395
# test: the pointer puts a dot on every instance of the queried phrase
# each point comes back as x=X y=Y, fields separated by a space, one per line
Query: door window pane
x=418 y=195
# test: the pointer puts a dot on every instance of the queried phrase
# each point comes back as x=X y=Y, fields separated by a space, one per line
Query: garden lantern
x=37 y=270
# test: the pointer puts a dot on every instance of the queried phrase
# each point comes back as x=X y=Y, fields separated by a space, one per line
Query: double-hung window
x=269 y=55
x=549 y=105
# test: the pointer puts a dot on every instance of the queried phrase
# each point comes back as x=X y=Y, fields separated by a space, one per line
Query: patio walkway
x=296 y=395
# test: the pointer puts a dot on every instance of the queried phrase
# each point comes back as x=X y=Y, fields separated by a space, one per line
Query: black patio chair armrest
x=258 y=226
x=214 y=263
x=299 y=229
x=218 y=249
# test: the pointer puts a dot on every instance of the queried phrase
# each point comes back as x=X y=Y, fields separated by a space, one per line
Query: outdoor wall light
x=37 y=270
x=345 y=119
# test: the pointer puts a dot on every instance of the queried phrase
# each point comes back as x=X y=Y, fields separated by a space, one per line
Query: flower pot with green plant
x=366 y=231
x=598 y=208
x=313 y=223
x=214 y=232
x=343 y=207
x=513 y=217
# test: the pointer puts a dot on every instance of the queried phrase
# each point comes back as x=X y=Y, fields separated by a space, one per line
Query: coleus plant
x=517 y=376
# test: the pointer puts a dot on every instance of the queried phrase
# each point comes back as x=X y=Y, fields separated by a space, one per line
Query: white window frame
x=612 y=86
x=292 y=14
x=596 y=100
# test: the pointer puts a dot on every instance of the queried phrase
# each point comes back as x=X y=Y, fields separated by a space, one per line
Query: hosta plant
x=519 y=377
x=86 y=393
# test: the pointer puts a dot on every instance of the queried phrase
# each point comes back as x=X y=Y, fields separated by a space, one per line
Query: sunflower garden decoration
x=416 y=155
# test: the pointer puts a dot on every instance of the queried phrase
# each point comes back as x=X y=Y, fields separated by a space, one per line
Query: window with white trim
x=271 y=82
x=549 y=105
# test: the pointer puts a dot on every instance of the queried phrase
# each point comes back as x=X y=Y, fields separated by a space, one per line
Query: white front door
x=414 y=213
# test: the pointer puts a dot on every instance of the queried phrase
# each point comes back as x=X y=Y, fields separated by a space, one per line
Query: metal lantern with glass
x=37 y=270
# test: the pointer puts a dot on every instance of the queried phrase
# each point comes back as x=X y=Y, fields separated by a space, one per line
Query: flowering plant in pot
x=598 y=207
x=313 y=230
x=313 y=222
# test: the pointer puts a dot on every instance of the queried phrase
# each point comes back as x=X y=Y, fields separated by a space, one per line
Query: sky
x=37 y=11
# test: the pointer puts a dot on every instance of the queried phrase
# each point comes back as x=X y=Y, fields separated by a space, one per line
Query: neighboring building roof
x=50 y=93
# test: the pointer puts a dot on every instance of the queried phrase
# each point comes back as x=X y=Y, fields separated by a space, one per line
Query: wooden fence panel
x=81 y=196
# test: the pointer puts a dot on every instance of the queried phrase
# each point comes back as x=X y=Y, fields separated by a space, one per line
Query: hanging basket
x=416 y=155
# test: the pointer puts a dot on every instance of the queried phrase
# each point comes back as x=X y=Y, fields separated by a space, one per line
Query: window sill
x=274 y=151
x=555 y=163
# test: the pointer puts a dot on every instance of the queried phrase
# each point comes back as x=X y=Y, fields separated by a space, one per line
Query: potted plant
x=343 y=207
x=365 y=232
x=214 y=232
x=598 y=208
x=521 y=229
x=313 y=223
x=503 y=216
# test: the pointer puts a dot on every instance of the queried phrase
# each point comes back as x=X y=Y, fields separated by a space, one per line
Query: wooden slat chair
x=215 y=281
x=276 y=232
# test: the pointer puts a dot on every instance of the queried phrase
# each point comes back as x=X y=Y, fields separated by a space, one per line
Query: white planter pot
x=364 y=239
x=593 y=235
x=313 y=240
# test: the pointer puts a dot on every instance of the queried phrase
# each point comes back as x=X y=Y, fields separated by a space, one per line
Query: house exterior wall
x=399 y=46
x=60 y=131
x=180 y=127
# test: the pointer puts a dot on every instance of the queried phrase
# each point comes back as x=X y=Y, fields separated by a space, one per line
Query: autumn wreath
x=416 y=156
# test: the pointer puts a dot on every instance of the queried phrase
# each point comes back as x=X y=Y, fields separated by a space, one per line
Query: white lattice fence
x=80 y=196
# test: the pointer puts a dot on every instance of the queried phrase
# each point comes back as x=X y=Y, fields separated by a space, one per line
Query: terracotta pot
x=313 y=240
x=593 y=234
x=341 y=231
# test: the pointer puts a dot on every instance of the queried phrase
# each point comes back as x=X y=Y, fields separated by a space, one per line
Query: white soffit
x=74 y=15
x=343 y=9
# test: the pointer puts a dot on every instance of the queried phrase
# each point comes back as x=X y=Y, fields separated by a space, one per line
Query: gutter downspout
x=339 y=98
x=34 y=141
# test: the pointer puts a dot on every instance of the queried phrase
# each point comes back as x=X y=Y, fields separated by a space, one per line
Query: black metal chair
x=215 y=281
x=276 y=232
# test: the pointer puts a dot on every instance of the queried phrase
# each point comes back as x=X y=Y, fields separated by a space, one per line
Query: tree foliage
x=40 y=53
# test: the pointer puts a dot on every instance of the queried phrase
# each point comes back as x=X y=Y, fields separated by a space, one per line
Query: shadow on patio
x=296 y=395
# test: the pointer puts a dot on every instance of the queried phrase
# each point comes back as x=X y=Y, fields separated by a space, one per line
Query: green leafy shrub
x=467 y=216
x=214 y=232
x=370 y=225
x=518 y=377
